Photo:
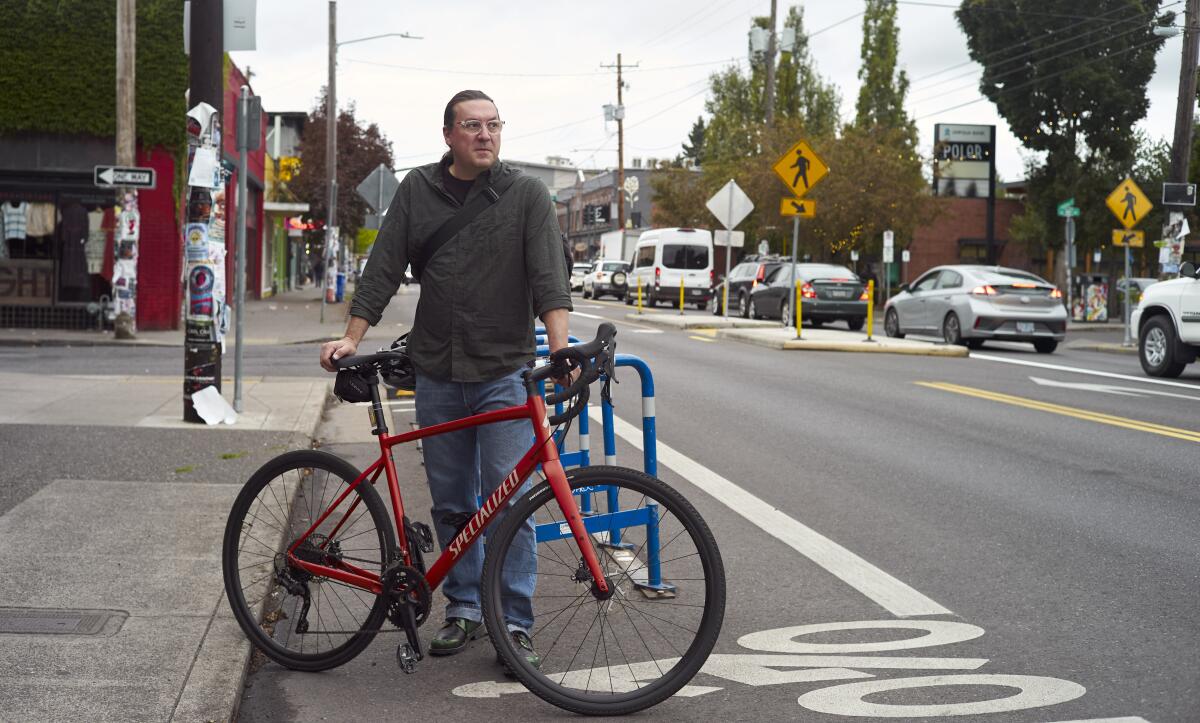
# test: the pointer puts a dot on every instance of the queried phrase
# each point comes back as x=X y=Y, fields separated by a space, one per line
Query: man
x=471 y=338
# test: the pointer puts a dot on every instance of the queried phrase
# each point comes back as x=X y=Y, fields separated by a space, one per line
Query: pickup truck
x=1167 y=320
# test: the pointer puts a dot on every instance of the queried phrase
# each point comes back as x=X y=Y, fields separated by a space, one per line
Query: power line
x=448 y=71
x=1021 y=86
x=1024 y=68
x=1138 y=16
x=1013 y=11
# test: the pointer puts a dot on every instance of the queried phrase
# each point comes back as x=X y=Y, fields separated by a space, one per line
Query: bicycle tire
x=560 y=683
x=242 y=552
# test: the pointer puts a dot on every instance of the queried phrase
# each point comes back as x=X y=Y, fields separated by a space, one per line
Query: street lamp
x=331 y=140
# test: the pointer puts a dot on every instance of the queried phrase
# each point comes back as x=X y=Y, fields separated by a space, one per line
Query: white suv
x=1167 y=320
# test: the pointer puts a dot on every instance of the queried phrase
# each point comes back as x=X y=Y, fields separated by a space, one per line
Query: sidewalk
x=292 y=317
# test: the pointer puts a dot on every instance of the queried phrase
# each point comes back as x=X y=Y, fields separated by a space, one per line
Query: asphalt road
x=1007 y=537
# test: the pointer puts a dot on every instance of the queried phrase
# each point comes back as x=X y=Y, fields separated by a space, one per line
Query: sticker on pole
x=1128 y=203
x=797 y=207
x=800 y=168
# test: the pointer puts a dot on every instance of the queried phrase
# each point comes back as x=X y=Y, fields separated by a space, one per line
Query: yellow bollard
x=870 y=308
x=799 y=309
x=639 y=295
x=725 y=299
x=681 y=296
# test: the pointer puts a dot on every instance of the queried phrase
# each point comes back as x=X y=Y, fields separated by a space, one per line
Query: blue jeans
x=461 y=465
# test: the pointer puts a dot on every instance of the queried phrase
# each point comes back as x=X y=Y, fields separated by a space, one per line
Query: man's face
x=473 y=151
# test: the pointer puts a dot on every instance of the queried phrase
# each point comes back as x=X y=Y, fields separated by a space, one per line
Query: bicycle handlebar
x=593 y=359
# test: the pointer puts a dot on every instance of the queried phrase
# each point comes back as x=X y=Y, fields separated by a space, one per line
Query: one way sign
x=132 y=177
x=802 y=207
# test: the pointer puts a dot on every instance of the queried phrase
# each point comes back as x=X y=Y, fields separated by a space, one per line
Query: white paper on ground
x=212 y=407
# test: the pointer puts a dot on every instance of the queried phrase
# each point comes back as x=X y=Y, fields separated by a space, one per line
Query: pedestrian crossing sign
x=800 y=168
x=1128 y=203
x=1133 y=239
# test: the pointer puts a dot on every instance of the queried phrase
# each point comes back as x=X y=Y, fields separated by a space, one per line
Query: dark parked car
x=827 y=293
x=743 y=280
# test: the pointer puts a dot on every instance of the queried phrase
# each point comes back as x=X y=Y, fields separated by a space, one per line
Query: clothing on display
x=14 y=213
x=96 y=239
x=40 y=219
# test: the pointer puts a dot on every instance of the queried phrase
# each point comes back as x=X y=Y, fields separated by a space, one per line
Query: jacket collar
x=435 y=173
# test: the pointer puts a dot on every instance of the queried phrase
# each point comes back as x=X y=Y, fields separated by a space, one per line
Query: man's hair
x=459 y=97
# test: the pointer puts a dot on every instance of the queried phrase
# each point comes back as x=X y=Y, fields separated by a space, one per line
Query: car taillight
x=985 y=290
x=807 y=291
x=712 y=277
x=657 y=275
x=863 y=295
x=1055 y=294
x=761 y=271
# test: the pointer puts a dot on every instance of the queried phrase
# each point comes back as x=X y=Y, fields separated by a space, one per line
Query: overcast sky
x=541 y=62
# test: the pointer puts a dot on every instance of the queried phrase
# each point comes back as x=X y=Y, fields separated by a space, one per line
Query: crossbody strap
x=459 y=221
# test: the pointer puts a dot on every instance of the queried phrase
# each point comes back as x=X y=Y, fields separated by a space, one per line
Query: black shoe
x=523 y=646
x=454 y=636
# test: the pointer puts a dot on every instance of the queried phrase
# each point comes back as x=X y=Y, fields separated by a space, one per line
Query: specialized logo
x=480 y=519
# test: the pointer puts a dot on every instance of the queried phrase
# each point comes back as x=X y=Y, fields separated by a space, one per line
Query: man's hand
x=334 y=350
x=568 y=379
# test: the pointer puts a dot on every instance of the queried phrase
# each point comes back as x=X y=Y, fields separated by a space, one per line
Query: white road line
x=647 y=331
x=1077 y=370
x=1110 y=389
x=586 y=316
x=893 y=595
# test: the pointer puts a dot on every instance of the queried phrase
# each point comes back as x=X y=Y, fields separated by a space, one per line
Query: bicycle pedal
x=424 y=536
x=407 y=658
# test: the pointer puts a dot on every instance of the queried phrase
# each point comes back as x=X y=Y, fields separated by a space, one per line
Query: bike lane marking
x=1080 y=370
x=893 y=595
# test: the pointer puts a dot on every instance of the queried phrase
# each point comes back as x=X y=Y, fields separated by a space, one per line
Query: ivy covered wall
x=58 y=69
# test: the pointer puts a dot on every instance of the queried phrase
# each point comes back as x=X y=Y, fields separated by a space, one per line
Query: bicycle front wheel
x=601 y=654
x=302 y=621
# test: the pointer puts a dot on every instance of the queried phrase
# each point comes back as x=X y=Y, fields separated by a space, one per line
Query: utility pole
x=619 y=114
x=1181 y=148
x=330 y=157
x=769 y=96
x=125 y=325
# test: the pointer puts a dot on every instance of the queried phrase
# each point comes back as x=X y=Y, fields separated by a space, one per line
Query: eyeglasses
x=473 y=126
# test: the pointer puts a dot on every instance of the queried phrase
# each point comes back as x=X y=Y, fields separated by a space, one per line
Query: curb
x=670 y=321
x=86 y=343
x=213 y=688
x=1106 y=348
x=858 y=347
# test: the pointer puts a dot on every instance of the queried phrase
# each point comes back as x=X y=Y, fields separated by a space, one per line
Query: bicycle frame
x=543 y=452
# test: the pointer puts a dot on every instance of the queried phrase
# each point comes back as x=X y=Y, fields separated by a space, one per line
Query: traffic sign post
x=730 y=205
x=800 y=168
x=1130 y=206
x=377 y=190
x=125 y=176
x=889 y=255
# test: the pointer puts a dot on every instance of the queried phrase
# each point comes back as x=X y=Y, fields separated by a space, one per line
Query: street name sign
x=797 y=207
x=800 y=168
x=130 y=176
x=730 y=205
x=1131 y=238
x=1067 y=208
x=1128 y=203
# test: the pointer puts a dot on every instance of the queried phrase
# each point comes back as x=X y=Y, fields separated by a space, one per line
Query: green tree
x=679 y=196
x=881 y=95
x=361 y=148
x=693 y=149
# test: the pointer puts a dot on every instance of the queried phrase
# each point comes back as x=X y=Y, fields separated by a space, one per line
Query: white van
x=665 y=257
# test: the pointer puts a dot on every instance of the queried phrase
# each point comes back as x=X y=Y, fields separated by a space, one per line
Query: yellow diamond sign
x=800 y=168
x=797 y=207
x=1128 y=203
x=1133 y=239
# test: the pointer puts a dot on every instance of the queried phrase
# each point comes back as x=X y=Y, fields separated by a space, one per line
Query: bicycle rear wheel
x=276 y=506
x=634 y=649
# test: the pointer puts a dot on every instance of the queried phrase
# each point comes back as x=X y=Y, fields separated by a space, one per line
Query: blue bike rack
x=612 y=523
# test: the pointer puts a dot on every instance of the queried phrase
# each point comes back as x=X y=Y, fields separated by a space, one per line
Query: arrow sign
x=1108 y=389
x=797 y=207
x=131 y=176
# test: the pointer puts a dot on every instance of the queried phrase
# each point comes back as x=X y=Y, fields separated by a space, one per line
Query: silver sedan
x=970 y=304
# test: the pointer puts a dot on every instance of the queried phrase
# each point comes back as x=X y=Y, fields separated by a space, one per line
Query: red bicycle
x=629 y=587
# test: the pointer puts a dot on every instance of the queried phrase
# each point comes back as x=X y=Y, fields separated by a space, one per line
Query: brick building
x=958 y=235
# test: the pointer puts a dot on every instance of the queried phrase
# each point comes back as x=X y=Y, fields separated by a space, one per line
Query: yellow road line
x=705 y=332
x=1097 y=417
x=701 y=338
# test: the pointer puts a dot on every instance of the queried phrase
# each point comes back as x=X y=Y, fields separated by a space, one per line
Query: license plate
x=1024 y=327
x=696 y=292
x=839 y=294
